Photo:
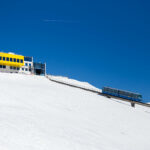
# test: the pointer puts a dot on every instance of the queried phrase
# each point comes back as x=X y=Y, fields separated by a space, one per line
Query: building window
x=4 y=66
x=26 y=64
x=17 y=60
x=14 y=68
x=14 y=59
x=23 y=69
x=30 y=69
x=1 y=66
x=3 y=58
x=26 y=69
x=11 y=59
x=30 y=65
x=11 y=67
x=17 y=68
x=28 y=59
x=7 y=59
x=0 y=58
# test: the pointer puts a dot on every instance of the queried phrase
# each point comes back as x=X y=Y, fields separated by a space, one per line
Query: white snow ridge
x=38 y=114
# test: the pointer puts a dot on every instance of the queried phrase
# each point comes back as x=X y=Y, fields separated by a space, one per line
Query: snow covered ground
x=73 y=82
x=38 y=114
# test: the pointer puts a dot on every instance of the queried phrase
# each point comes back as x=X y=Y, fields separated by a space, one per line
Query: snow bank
x=73 y=82
x=38 y=114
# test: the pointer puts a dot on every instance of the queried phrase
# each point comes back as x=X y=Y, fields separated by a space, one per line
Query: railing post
x=132 y=104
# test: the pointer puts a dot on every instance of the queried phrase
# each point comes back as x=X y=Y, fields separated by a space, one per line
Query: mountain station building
x=12 y=63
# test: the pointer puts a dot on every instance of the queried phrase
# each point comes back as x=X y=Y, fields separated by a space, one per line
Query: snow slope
x=38 y=114
x=73 y=82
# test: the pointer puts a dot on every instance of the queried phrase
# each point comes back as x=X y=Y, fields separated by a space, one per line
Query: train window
x=109 y=90
x=122 y=93
x=128 y=94
x=105 y=89
x=21 y=60
x=135 y=96
x=116 y=91
x=132 y=95
x=125 y=93
x=140 y=96
x=14 y=59
x=11 y=59
x=4 y=58
x=4 y=66
x=113 y=91
x=0 y=66
x=17 y=60
x=0 y=58
x=7 y=59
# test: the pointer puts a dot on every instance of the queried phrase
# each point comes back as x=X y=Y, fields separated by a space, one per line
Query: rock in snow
x=38 y=114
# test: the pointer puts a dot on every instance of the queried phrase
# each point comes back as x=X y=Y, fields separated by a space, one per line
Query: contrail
x=60 y=21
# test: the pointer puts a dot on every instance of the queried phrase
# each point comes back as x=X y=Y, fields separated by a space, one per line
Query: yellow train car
x=8 y=59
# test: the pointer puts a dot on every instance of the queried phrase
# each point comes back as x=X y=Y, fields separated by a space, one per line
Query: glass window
x=28 y=59
x=134 y=95
x=21 y=60
x=7 y=58
x=30 y=70
x=30 y=65
x=4 y=58
x=0 y=66
x=23 y=69
x=4 y=66
x=116 y=91
x=26 y=69
x=0 y=58
x=14 y=59
x=10 y=67
x=11 y=59
x=110 y=90
x=139 y=96
x=17 y=60
x=14 y=68
x=26 y=64
x=17 y=68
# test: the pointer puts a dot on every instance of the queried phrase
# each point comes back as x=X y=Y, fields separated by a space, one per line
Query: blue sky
x=106 y=43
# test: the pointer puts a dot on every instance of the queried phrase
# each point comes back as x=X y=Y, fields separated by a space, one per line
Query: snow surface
x=73 y=82
x=38 y=114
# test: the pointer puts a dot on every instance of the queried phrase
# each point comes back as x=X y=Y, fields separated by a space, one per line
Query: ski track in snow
x=38 y=114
